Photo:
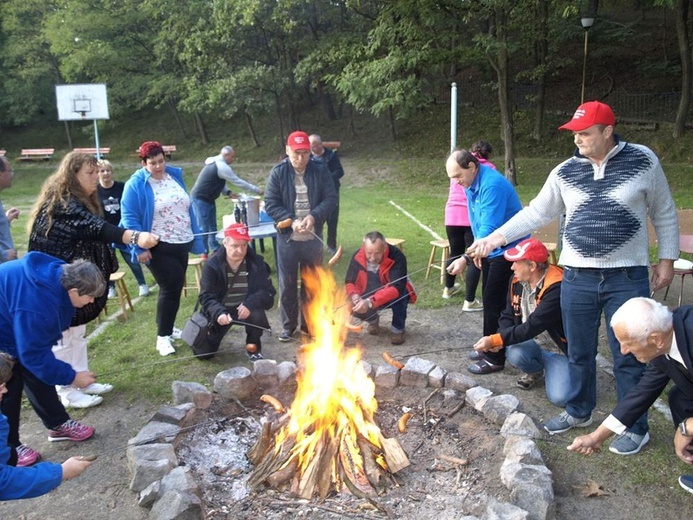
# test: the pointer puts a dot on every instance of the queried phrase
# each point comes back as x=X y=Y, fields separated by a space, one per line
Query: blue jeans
x=529 y=357
x=135 y=267
x=206 y=215
x=585 y=293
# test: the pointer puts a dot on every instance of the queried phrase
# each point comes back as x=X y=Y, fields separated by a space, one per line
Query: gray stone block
x=477 y=396
x=522 y=449
x=515 y=474
x=191 y=392
x=520 y=424
x=144 y=472
x=497 y=408
x=538 y=501
x=386 y=376
x=459 y=381
x=173 y=414
x=150 y=494
x=496 y=510
x=180 y=479
x=236 y=383
x=367 y=368
x=175 y=505
x=155 y=432
x=436 y=378
x=415 y=372
x=265 y=373
x=286 y=373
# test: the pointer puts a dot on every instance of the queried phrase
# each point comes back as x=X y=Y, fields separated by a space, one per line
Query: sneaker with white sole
x=76 y=399
x=176 y=333
x=449 y=291
x=26 y=456
x=527 y=381
x=70 y=430
x=111 y=292
x=164 y=346
x=565 y=421
x=629 y=443
x=686 y=482
x=474 y=306
x=97 y=389
x=144 y=290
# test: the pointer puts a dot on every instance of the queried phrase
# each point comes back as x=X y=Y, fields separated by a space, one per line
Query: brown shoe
x=374 y=326
x=397 y=338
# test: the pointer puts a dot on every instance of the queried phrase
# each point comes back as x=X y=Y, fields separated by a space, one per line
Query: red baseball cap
x=237 y=231
x=298 y=141
x=588 y=114
x=531 y=249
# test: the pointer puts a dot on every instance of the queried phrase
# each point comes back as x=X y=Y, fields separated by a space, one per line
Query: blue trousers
x=293 y=256
x=585 y=294
x=135 y=267
x=529 y=357
x=206 y=215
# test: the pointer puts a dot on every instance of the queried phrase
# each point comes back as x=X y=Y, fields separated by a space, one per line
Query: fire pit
x=355 y=441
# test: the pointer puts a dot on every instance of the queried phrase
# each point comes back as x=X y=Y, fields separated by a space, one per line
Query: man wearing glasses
x=7 y=251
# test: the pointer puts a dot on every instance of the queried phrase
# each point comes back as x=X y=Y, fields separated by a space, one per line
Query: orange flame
x=335 y=398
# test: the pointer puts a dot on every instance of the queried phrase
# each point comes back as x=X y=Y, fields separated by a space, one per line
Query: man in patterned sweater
x=606 y=190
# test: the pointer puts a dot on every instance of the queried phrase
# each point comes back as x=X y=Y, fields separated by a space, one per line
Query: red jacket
x=392 y=274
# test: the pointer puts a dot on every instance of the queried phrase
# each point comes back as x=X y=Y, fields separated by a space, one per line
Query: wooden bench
x=168 y=150
x=334 y=145
x=92 y=151
x=37 y=154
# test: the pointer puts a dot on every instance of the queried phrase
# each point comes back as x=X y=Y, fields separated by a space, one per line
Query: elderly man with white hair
x=210 y=184
x=663 y=340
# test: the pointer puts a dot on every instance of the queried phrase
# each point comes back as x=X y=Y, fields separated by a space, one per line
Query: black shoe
x=475 y=355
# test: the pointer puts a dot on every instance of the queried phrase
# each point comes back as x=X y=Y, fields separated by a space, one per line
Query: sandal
x=484 y=367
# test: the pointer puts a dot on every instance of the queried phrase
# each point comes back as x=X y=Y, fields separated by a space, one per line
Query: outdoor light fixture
x=586 y=22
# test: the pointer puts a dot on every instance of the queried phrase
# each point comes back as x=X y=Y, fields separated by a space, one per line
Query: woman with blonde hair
x=67 y=222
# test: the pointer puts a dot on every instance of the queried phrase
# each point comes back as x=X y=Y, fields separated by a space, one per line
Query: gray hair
x=374 y=236
x=6 y=365
x=83 y=276
x=641 y=317
x=227 y=149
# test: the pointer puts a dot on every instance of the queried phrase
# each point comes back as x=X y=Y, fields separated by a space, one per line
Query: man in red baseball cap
x=530 y=327
x=235 y=287
x=301 y=191
x=606 y=191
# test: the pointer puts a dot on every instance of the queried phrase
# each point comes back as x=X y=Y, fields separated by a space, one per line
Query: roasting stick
x=286 y=223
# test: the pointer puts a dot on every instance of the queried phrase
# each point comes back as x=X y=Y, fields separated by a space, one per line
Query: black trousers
x=42 y=397
x=332 y=225
x=460 y=238
x=168 y=265
x=496 y=273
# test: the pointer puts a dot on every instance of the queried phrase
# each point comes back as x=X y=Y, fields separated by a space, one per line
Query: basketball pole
x=96 y=140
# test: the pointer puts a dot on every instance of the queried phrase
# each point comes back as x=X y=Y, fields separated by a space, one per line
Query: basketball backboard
x=81 y=102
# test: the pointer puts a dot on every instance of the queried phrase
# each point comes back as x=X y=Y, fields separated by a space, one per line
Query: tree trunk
x=176 y=115
x=542 y=47
x=393 y=129
x=251 y=129
x=199 y=123
x=683 y=36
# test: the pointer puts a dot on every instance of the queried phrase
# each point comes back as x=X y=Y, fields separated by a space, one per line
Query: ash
x=217 y=456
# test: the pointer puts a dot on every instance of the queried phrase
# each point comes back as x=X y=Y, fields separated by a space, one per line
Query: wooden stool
x=433 y=264
x=122 y=292
x=396 y=242
x=551 y=246
x=197 y=263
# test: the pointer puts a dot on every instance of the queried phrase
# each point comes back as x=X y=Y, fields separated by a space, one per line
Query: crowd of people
x=541 y=318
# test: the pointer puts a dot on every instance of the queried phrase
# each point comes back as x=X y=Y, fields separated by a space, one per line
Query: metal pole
x=453 y=117
x=96 y=140
x=584 y=69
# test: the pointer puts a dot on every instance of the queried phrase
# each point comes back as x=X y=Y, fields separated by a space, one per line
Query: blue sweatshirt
x=34 y=310
x=25 y=482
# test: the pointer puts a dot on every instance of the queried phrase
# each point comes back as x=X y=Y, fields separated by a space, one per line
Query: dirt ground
x=443 y=336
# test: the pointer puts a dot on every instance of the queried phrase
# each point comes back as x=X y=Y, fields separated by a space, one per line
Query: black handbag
x=195 y=330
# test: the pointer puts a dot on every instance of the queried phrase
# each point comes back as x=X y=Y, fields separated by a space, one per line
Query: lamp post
x=586 y=22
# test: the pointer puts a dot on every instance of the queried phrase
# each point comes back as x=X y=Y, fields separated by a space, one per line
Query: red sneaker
x=26 y=456
x=70 y=430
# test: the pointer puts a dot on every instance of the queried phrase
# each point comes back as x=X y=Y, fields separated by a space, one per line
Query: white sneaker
x=176 y=333
x=474 y=306
x=449 y=291
x=77 y=399
x=144 y=290
x=163 y=345
x=97 y=389
x=111 y=292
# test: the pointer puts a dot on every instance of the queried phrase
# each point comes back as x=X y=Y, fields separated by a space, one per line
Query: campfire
x=327 y=441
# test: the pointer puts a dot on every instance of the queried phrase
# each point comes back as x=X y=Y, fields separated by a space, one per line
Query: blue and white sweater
x=606 y=209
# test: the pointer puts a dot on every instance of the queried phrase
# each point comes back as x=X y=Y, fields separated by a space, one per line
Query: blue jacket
x=492 y=201
x=34 y=310
x=24 y=482
x=137 y=207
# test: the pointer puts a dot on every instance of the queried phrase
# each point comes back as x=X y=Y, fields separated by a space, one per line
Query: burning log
x=328 y=440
